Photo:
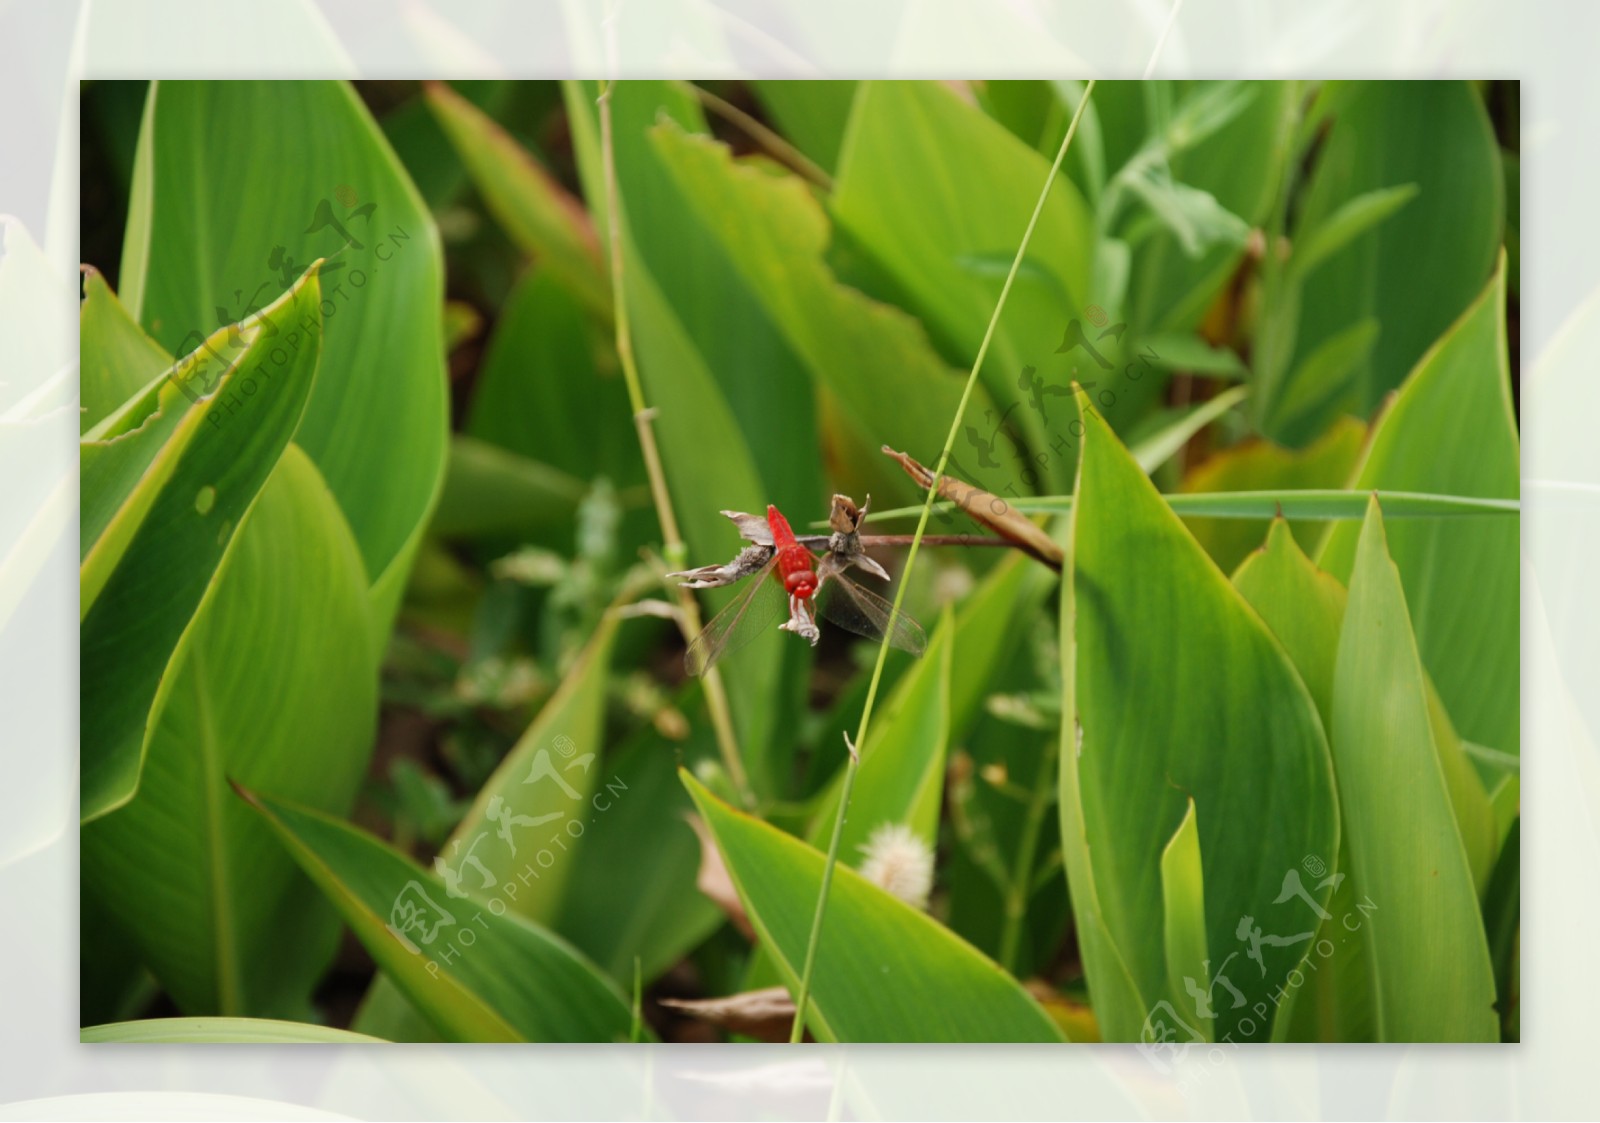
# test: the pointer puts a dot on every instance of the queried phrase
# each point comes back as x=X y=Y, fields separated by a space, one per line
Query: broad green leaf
x=925 y=181
x=196 y=883
x=116 y=358
x=1257 y=464
x=811 y=115
x=1302 y=605
x=544 y=392
x=516 y=842
x=1502 y=918
x=422 y=146
x=1154 y=450
x=1232 y=142
x=1451 y=430
x=1222 y=719
x=205 y=1031
x=990 y=622
x=1320 y=389
x=531 y=206
x=1181 y=351
x=1475 y=815
x=1305 y=608
x=1194 y=217
x=884 y=970
x=162 y=505
x=640 y=810
x=901 y=776
x=1436 y=137
x=1184 y=922
x=1430 y=961
x=218 y=218
x=890 y=385
x=1121 y=1012
x=549 y=777
x=480 y=973
x=489 y=491
x=699 y=333
x=1353 y=218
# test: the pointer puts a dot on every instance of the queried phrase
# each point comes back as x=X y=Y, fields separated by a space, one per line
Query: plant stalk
x=804 y=996
x=775 y=145
x=797 y=1031
x=688 y=615
x=1019 y=886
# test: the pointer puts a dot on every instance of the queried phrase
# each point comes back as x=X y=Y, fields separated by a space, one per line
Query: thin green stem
x=1019 y=886
x=688 y=615
x=775 y=145
x=804 y=996
x=797 y=1031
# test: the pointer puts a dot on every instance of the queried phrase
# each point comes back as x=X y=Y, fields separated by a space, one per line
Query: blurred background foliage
x=1241 y=275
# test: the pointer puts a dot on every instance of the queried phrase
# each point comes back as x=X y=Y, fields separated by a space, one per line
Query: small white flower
x=899 y=862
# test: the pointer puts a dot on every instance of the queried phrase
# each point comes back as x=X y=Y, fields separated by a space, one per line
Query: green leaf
x=1162 y=445
x=812 y=115
x=1305 y=609
x=205 y=1031
x=533 y=208
x=1353 y=218
x=874 y=360
x=549 y=387
x=926 y=181
x=1223 y=719
x=1502 y=917
x=1184 y=921
x=901 y=776
x=218 y=217
x=516 y=842
x=1193 y=216
x=511 y=981
x=1321 y=388
x=698 y=343
x=1320 y=504
x=213 y=906
x=164 y=494
x=116 y=358
x=491 y=492
x=1234 y=145
x=884 y=970
x=1259 y=463
x=1430 y=960
x=1451 y=430
x=665 y=916
x=1436 y=137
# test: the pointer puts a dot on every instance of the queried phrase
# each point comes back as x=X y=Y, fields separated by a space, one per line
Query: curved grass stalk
x=797 y=1031
x=688 y=615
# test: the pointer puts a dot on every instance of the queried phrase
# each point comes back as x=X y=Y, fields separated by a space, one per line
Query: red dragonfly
x=839 y=600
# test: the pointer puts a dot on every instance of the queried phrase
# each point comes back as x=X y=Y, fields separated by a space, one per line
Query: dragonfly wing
x=746 y=617
x=843 y=602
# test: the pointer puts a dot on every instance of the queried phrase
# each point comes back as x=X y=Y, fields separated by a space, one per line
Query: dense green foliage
x=385 y=726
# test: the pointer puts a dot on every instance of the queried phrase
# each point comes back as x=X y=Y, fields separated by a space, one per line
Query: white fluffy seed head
x=899 y=862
